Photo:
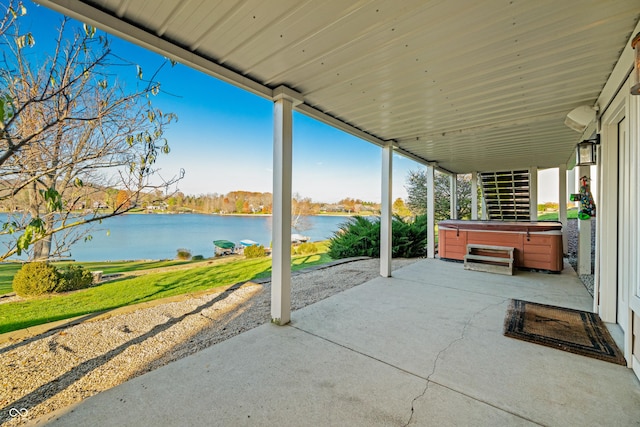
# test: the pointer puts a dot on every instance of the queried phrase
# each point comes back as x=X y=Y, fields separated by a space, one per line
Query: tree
x=348 y=204
x=417 y=194
x=13 y=10
x=123 y=199
x=400 y=209
x=69 y=128
x=301 y=208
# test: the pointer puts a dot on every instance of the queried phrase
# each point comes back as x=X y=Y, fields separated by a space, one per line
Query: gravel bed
x=58 y=368
x=572 y=251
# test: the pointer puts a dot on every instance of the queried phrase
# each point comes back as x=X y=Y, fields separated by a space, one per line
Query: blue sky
x=223 y=139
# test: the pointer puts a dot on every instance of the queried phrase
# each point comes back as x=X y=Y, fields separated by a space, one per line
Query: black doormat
x=575 y=331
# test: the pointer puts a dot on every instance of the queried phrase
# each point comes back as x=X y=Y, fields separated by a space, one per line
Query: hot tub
x=538 y=245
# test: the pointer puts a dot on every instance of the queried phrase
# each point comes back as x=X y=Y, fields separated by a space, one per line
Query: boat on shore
x=299 y=238
x=224 y=247
x=227 y=247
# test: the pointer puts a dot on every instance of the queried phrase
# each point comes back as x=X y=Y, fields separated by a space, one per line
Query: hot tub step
x=490 y=259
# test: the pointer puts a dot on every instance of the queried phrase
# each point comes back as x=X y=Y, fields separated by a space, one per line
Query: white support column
x=571 y=182
x=284 y=100
x=562 y=205
x=533 y=193
x=584 y=233
x=431 y=210
x=386 y=211
x=453 y=196
x=485 y=211
x=474 y=195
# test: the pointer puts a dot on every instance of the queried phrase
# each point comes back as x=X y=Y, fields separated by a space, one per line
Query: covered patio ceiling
x=472 y=86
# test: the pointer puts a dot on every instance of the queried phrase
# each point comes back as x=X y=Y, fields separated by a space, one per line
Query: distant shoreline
x=142 y=212
x=243 y=214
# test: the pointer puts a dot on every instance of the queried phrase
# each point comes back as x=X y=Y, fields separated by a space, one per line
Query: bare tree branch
x=70 y=131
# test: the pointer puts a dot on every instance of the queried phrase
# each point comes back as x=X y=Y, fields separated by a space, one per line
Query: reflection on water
x=160 y=236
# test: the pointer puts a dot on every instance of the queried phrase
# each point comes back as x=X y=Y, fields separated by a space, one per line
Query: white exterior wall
x=634 y=258
x=617 y=292
x=634 y=234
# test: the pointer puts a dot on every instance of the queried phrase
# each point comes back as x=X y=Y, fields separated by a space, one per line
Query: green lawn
x=148 y=287
x=553 y=216
x=8 y=270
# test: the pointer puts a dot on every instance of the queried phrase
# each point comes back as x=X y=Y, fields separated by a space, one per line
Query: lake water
x=129 y=237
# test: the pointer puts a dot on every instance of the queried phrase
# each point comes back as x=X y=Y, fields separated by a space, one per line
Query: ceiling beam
x=339 y=124
x=136 y=35
x=114 y=25
x=421 y=160
x=620 y=72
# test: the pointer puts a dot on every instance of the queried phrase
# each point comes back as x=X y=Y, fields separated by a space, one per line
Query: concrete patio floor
x=422 y=348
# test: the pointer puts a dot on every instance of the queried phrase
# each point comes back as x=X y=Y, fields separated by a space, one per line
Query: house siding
x=618 y=254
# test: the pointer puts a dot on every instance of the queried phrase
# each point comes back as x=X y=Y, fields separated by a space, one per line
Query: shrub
x=409 y=238
x=36 y=278
x=197 y=258
x=307 y=248
x=255 y=251
x=73 y=278
x=184 y=254
x=356 y=237
x=361 y=237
